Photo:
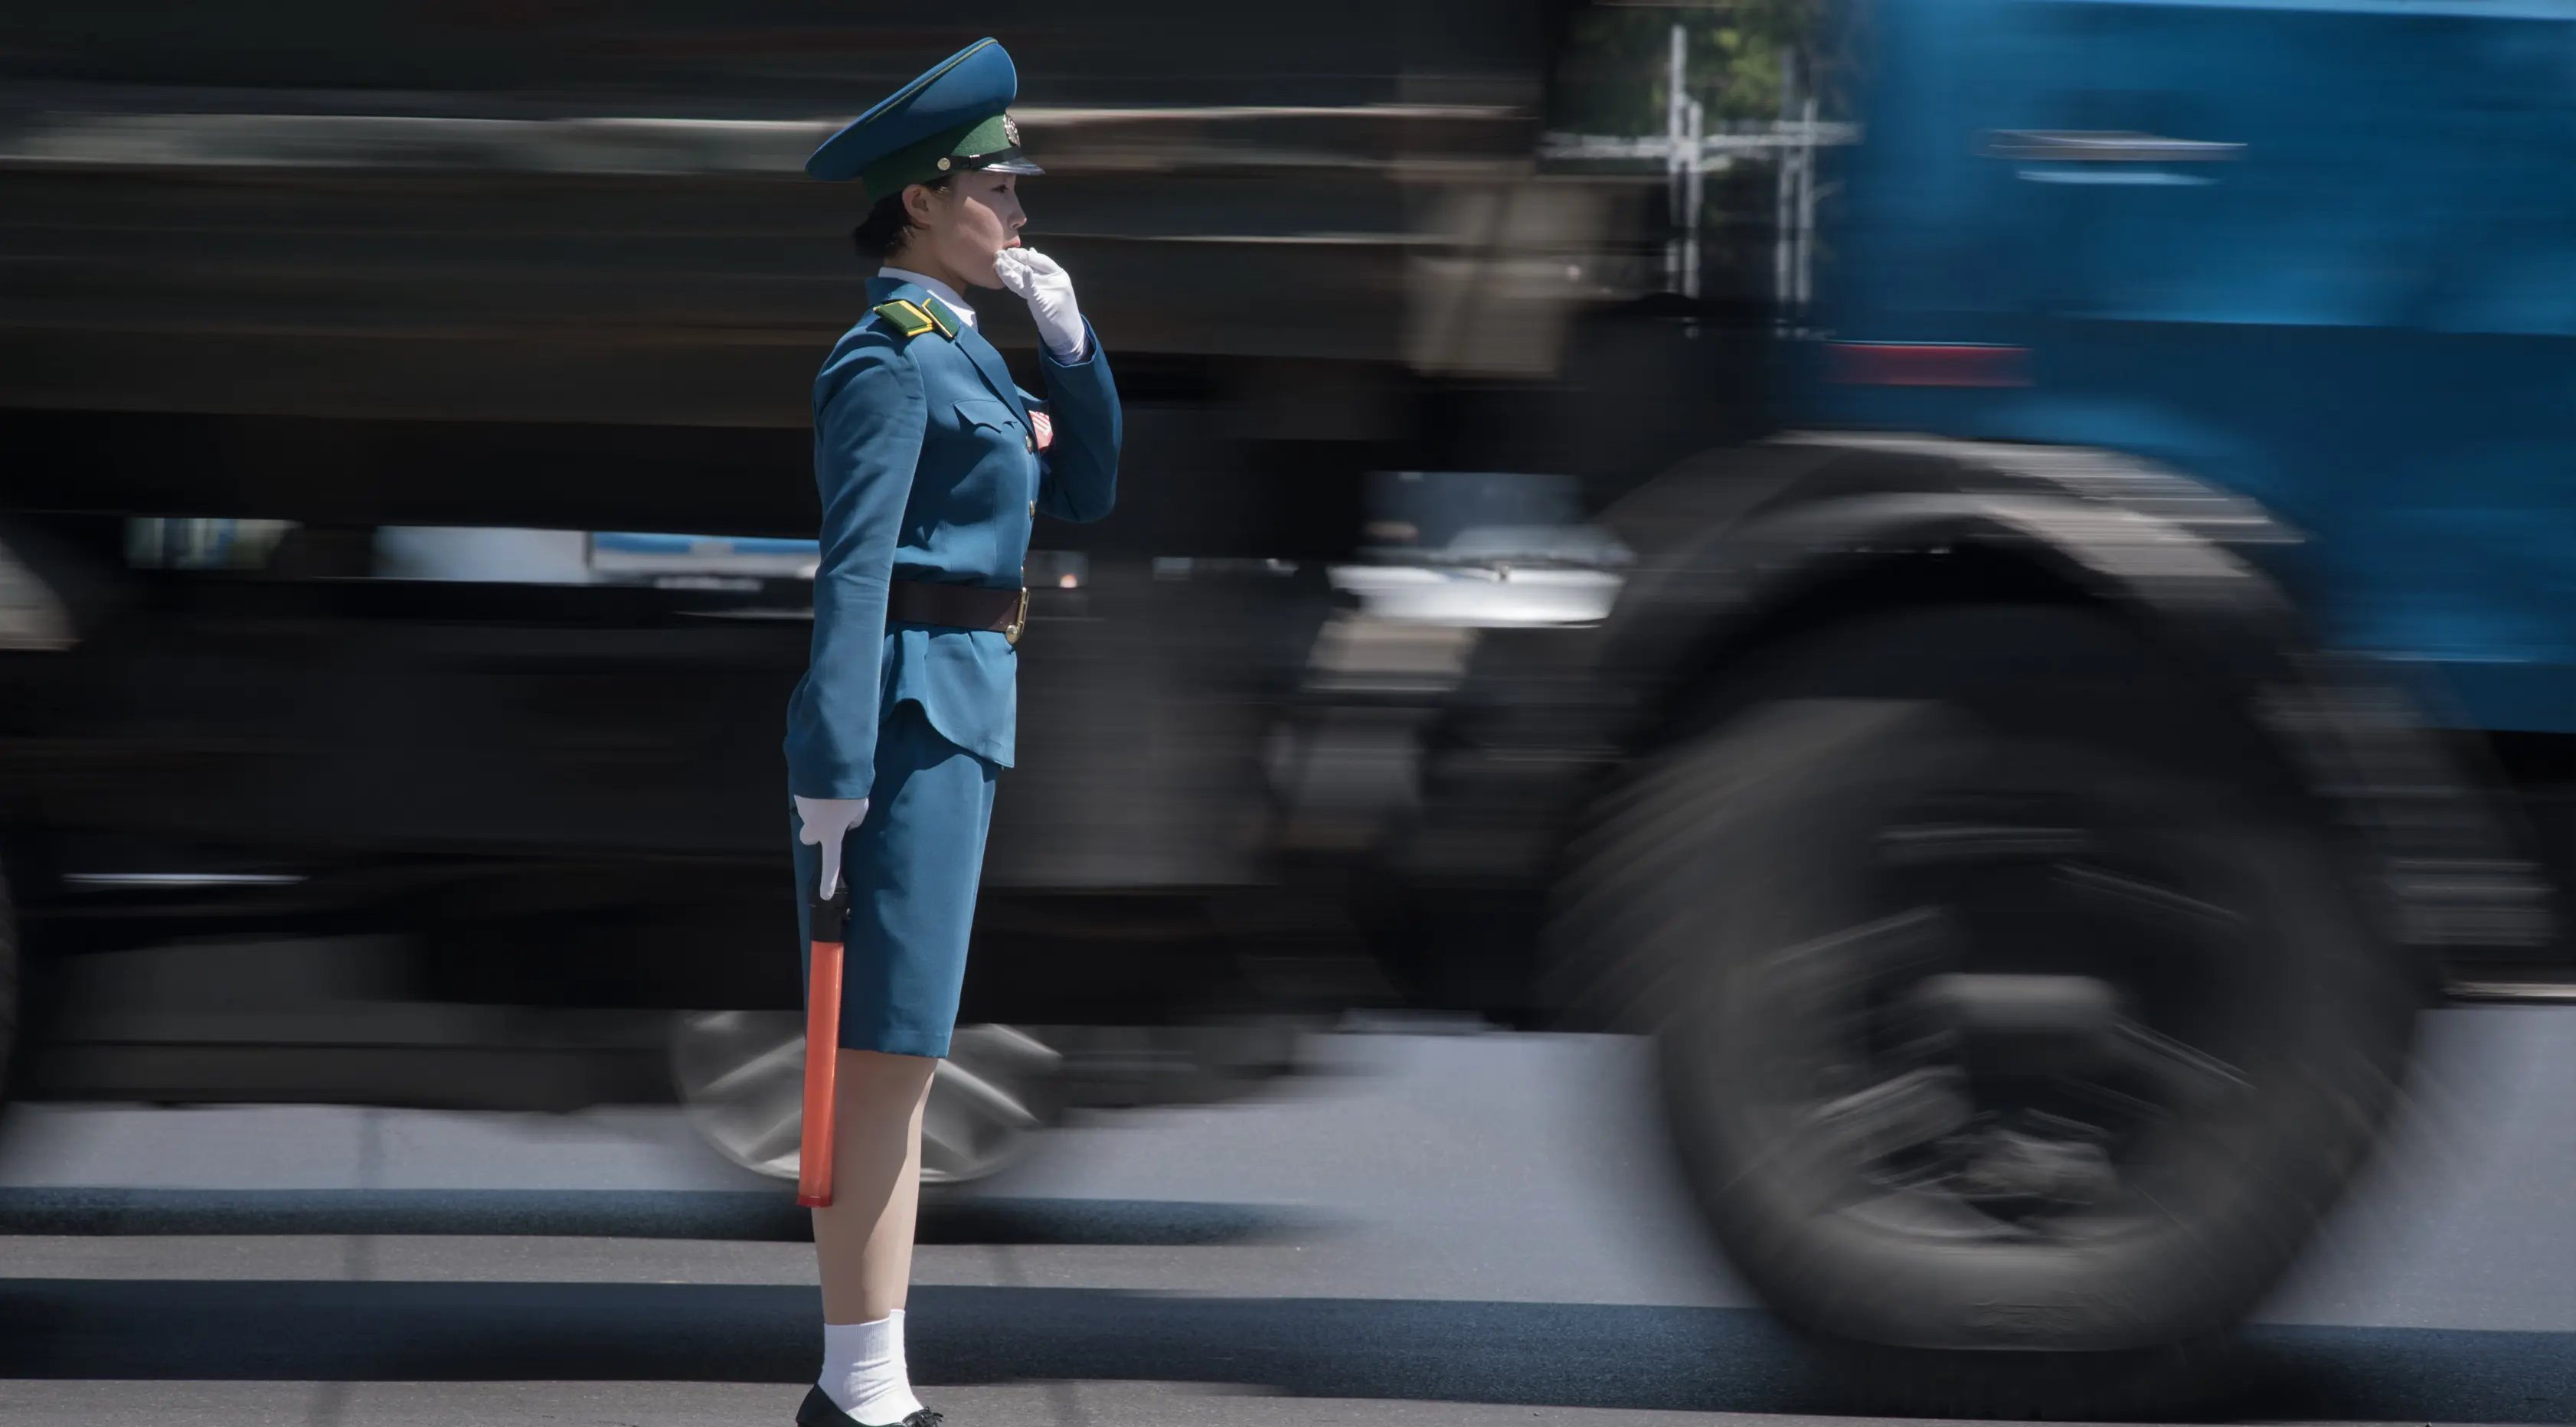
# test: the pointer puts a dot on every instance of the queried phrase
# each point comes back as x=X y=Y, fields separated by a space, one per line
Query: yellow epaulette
x=913 y=318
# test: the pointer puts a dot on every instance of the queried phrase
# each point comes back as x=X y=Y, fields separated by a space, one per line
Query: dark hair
x=887 y=225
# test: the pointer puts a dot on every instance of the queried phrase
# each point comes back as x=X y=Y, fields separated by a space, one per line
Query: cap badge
x=1011 y=130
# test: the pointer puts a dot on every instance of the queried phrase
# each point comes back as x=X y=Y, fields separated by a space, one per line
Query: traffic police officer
x=933 y=465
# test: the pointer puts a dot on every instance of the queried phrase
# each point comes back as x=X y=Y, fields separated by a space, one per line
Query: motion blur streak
x=1991 y=575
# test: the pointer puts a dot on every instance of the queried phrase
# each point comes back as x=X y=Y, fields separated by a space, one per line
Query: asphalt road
x=1436 y=1230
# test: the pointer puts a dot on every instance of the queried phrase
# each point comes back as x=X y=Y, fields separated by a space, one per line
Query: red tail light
x=1955 y=364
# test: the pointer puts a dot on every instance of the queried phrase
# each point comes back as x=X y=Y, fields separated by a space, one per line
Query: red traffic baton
x=822 y=1046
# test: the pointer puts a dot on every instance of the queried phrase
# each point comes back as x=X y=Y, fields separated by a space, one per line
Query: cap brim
x=954 y=94
x=1014 y=165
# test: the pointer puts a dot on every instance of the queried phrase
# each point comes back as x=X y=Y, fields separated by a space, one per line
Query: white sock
x=863 y=1371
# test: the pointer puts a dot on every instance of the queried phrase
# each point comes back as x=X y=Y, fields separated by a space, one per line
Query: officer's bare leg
x=864 y=1241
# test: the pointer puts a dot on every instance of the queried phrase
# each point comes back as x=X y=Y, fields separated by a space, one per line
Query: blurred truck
x=2025 y=733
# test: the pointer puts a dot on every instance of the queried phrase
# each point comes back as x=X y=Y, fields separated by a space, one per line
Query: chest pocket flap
x=983 y=411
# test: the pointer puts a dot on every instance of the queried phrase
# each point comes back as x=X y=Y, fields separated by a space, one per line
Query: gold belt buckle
x=1019 y=618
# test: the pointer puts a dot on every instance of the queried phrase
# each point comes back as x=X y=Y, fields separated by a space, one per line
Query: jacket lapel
x=989 y=366
x=988 y=361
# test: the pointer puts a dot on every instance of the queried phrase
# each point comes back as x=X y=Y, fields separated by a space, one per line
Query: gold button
x=1033 y=510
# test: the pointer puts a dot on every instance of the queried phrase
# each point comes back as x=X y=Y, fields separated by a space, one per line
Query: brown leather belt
x=1005 y=612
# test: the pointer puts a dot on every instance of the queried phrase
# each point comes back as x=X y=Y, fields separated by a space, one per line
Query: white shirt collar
x=938 y=289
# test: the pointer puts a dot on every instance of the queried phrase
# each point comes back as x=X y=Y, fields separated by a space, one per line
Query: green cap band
x=923 y=162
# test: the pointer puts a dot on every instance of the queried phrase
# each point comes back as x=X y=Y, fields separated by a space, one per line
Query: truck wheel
x=2016 y=1022
x=742 y=1076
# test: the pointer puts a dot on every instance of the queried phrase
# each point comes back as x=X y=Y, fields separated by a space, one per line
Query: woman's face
x=961 y=227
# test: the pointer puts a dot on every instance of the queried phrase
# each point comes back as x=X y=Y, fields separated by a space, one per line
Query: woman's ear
x=921 y=201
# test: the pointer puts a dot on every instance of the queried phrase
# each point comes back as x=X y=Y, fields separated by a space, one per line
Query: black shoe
x=819 y=1410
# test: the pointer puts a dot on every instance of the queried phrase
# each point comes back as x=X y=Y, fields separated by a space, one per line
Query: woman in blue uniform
x=932 y=466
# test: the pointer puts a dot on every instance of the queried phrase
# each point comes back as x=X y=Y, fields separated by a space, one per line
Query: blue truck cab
x=2318 y=253
x=2140 y=677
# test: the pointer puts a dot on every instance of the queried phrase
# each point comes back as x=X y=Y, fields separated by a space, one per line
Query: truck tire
x=742 y=1076
x=2017 y=1019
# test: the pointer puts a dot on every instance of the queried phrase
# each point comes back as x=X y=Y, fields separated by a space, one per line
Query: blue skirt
x=913 y=866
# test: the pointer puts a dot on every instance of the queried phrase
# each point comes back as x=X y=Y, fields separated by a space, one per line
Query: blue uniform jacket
x=924 y=453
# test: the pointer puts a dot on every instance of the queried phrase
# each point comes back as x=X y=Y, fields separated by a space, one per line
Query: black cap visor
x=1001 y=161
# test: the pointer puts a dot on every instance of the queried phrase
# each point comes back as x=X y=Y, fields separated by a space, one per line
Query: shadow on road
x=622 y=1214
x=1572 y=1355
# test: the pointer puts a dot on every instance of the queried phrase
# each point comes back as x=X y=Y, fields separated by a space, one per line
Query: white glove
x=1047 y=288
x=826 y=821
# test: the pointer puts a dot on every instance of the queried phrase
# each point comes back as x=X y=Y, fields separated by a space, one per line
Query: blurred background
x=1953 y=610
x=410 y=500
